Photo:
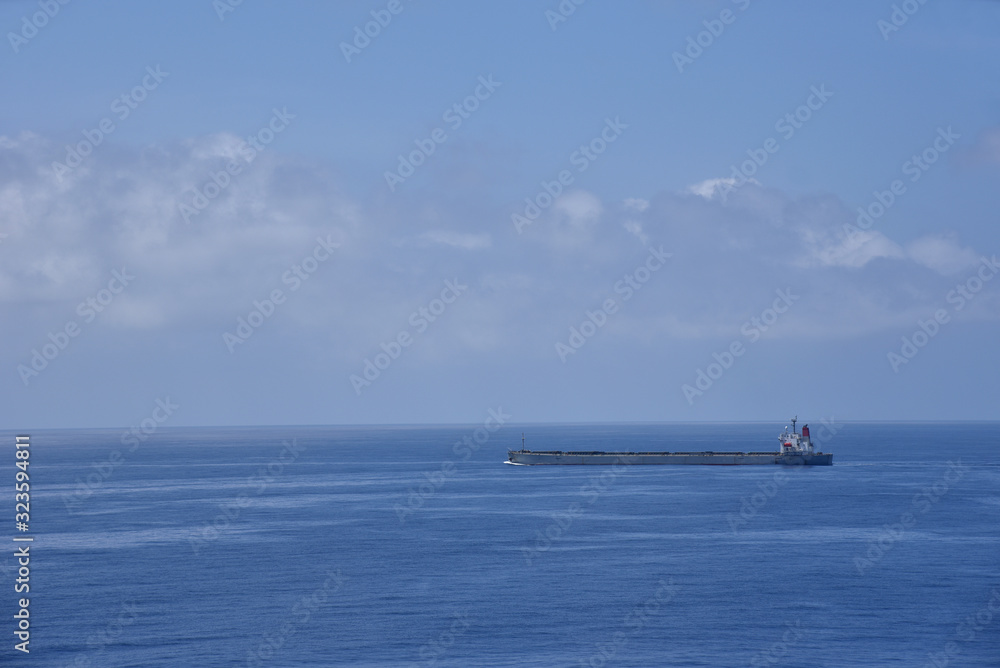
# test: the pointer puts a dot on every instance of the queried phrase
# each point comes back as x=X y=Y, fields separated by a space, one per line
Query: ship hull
x=530 y=458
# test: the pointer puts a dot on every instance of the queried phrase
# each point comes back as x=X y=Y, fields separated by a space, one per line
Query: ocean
x=418 y=546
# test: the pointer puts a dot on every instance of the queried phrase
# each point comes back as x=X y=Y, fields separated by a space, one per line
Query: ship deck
x=605 y=457
x=608 y=453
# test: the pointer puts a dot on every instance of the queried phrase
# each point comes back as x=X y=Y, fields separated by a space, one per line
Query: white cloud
x=942 y=254
x=635 y=229
x=855 y=250
x=464 y=241
x=712 y=188
x=572 y=221
x=636 y=204
x=121 y=210
x=579 y=209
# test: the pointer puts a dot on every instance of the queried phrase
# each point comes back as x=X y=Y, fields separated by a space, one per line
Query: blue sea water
x=393 y=546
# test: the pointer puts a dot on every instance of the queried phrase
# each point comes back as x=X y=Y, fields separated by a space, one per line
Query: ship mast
x=522 y=441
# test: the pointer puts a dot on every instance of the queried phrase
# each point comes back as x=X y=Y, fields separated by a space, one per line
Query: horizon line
x=463 y=424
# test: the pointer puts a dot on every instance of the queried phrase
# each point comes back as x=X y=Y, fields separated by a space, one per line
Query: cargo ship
x=794 y=449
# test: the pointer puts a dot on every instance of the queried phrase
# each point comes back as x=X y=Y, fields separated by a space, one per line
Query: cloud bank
x=121 y=208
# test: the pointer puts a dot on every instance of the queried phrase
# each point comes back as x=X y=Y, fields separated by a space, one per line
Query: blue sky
x=305 y=212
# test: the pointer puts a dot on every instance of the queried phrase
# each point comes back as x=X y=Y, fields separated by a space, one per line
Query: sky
x=404 y=211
